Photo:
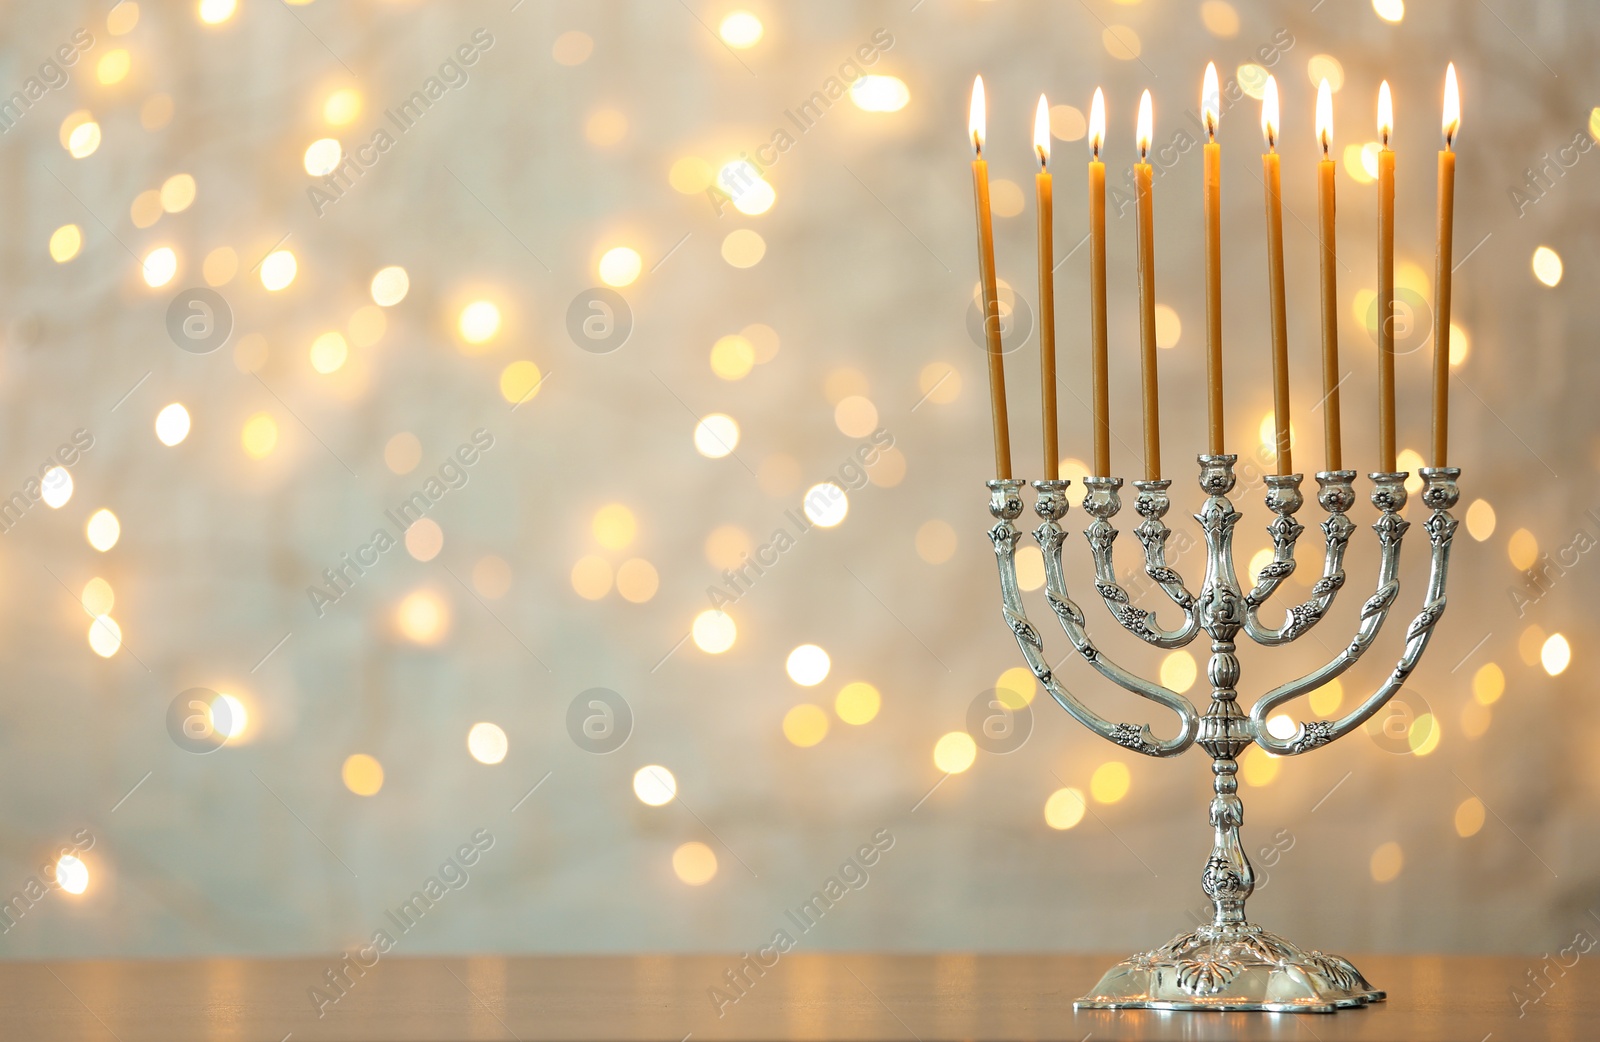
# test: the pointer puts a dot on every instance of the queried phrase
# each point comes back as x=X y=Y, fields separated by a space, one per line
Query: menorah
x=1230 y=963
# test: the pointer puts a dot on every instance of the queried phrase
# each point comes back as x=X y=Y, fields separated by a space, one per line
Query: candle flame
x=1097 y=121
x=1041 y=132
x=1385 y=113
x=1269 y=113
x=1210 y=100
x=1325 y=116
x=1146 y=125
x=976 y=116
x=1452 y=105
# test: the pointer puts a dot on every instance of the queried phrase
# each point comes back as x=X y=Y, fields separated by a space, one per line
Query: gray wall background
x=259 y=848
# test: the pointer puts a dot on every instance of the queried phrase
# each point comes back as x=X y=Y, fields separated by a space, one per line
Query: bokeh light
x=1488 y=684
x=98 y=598
x=1178 y=671
x=714 y=631
x=614 y=526
x=936 y=541
x=1555 y=654
x=880 y=93
x=1469 y=817
x=620 y=266
x=172 y=424
x=637 y=580
x=278 y=270
x=220 y=266
x=342 y=107
x=1065 y=808
x=390 y=286
x=65 y=242
x=328 y=352
x=105 y=636
x=424 y=539
x=826 y=504
x=1110 y=782
x=1220 y=18
x=808 y=665
x=1480 y=519
x=1257 y=767
x=160 y=265
x=1424 y=734
x=744 y=248
x=592 y=577
x=1325 y=700
x=694 y=863
x=741 y=30
x=487 y=743
x=1325 y=67
x=1017 y=687
x=229 y=716
x=55 y=487
x=953 y=753
x=259 y=436
x=362 y=774
x=805 y=725
x=323 y=156
x=103 y=530
x=479 y=322
x=732 y=357
x=72 y=874
x=520 y=381
x=1547 y=267
x=423 y=617
x=1523 y=549
x=215 y=12
x=716 y=436
x=654 y=785
x=1386 y=862
x=857 y=703
x=1390 y=10
x=572 y=48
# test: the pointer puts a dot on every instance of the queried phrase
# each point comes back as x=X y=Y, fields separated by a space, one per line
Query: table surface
x=667 y=997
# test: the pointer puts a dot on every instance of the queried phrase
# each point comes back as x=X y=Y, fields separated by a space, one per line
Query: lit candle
x=1210 y=105
x=1147 y=295
x=1271 y=176
x=1097 y=288
x=1330 y=282
x=1047 y=289
x=1386 y=453
x=991 y=301
x=1441 y=304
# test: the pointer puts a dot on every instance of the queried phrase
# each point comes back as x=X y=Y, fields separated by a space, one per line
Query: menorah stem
x=1228 y=879
x=1224 y=730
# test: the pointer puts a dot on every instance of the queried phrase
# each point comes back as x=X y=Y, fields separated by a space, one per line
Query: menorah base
x=1232 y=967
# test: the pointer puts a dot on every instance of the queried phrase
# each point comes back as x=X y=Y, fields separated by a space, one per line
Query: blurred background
x=538 y=447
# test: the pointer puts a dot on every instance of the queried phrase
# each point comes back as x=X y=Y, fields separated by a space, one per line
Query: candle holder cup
x=1229 y=963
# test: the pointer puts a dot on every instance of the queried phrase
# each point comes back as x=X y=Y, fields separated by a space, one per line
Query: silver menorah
x=1229 y=963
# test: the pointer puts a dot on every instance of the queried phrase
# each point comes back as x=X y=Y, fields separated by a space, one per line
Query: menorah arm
x=1336 y=495
x=1102 y=502
x=1440 y=493
x=1006 y=506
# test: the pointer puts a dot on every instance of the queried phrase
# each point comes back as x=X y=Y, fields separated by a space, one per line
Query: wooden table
x=622 y=998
